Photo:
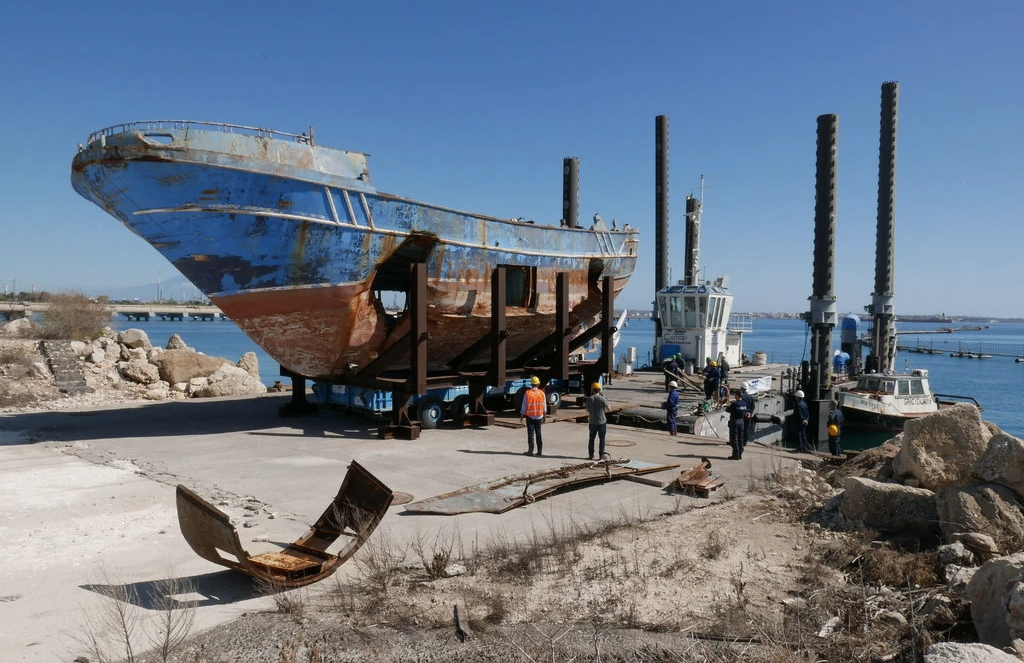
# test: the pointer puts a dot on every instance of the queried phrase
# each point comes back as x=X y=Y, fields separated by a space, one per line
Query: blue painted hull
x=295 y=244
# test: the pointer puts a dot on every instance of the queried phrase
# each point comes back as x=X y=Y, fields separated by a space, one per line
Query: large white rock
x=982 y=508
x=250 y=363
x=989 y=593
x=940 y=450
x=230 y=380
x=1002 y=463
x=183 y=365
x=138 y=370
x=889 y=507
x=175 y=342
x=19 y=328
x=966 y=652
x=134 y=338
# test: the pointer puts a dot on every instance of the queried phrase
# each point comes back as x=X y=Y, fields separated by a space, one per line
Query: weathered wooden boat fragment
x=354 y=513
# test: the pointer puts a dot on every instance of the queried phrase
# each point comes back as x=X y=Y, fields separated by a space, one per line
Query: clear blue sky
x=473 y=105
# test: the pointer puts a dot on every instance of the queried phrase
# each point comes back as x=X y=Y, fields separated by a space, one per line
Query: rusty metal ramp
x=504 y=494
x=354 y=513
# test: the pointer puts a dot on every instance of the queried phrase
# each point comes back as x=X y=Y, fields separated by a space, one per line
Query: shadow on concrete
x=218 y=588
x=256 y=416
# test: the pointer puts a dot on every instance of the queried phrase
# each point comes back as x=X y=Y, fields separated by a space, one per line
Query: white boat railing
x=157 y=125
x=741 y=323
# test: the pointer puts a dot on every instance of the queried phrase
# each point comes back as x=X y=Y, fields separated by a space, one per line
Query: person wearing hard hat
x=671 y=406
x=803 y=413
x=597 y=408
x=738 y=414
x=835 y=427
x=532 y=411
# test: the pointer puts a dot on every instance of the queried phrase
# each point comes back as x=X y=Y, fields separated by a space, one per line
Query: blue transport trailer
x=443 y=403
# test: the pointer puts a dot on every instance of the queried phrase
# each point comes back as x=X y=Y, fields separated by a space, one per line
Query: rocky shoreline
x=116 y=368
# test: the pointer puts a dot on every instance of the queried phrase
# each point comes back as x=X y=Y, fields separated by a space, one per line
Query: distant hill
x=176 y=288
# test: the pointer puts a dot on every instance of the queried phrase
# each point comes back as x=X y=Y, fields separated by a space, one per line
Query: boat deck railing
x=156 y=125
x=741 y=323
x=954 y=398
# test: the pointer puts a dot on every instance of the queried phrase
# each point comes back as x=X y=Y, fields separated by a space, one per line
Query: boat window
x=702 y=311
x=677 y=317
x=663 y=305
x=889 y=386
x=917 y=387
x=719 y=311
x=870 y=384
x=691 y=312
x=904 y=388
x=712 y=310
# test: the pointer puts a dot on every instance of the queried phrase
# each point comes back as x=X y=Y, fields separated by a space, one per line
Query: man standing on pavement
x=597 y=407
x=803 y=414
x=533 y=409
x=748 y=424
x=737 y=426
x=671 y=406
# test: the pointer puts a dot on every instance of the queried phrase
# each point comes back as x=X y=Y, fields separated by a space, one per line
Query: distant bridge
x=13 y=311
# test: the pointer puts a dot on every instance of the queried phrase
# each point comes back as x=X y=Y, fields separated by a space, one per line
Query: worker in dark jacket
x=748 y=428
x=803 y=415
x=738 y=414
x=671 y=406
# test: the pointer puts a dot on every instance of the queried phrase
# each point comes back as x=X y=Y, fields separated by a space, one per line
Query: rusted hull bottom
x=335 y=331
x=504 y=494
x=360 y=504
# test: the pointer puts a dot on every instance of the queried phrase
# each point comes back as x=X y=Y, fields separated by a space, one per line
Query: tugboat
x=887 y=401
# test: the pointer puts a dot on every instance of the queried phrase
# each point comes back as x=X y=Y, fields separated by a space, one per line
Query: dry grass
x=73 y=316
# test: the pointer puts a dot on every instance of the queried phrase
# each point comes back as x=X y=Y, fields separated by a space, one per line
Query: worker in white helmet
x=671 y=406
x=803 y=413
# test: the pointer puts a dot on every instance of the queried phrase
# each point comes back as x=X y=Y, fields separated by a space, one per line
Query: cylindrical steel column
x=660 y=202
x=822 y=316
x=571 y=192
x=884 y=346
x=692 y=263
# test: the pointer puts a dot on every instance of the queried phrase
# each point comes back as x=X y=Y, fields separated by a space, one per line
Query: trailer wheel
x=554 y=400
x=460 y=408
x=430 y=413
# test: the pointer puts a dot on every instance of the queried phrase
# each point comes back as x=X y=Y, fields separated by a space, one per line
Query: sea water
x=992 y=382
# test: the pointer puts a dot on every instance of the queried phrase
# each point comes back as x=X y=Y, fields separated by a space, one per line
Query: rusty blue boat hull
x=293 y=242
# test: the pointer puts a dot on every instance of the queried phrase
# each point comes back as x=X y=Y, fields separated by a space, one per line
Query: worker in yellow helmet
x=835 y=427
x=597 y=408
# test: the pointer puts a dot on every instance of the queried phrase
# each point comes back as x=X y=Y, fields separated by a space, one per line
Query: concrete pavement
x=87 y=497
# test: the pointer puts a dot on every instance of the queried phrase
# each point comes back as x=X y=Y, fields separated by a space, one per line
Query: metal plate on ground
x=620 y=443
x=507 y=493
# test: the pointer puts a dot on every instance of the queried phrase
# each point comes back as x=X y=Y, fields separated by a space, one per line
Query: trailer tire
x=554 y=400
x=430 y=413
x=460 y=408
